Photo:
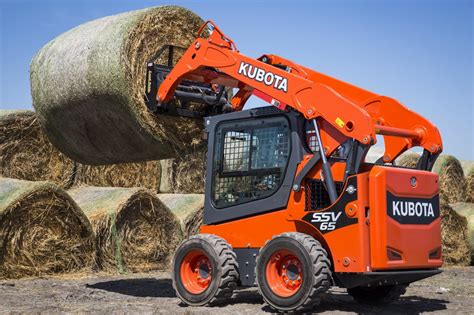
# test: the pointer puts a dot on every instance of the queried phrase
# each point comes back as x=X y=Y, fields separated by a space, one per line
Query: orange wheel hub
x=196 y=272
x=284 y=273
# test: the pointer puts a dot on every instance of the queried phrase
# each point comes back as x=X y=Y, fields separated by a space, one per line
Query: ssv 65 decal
x=334 y=217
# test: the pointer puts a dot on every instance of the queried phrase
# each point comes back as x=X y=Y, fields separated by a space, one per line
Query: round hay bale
x=408 y=159
x=455 y=242
x=193 y=222
x=26 y=153
x=188 y=208
x=470 y=185
x=145 y=174
x=452 y=183
x=88 y=88
x=184 y=174
x=134 y=230
x=467 y=210
x=42 y=230
x=467 y=165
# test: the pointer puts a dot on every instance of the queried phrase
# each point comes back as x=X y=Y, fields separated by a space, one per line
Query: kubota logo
x=410 y=208
x=260 y=75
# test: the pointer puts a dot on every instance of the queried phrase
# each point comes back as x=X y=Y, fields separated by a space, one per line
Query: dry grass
x=26 y=153
x=88 y=88
x=134 y=230
x=42 y=231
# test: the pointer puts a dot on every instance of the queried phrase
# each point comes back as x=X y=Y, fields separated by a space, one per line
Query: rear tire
x=205 y=270
x=377 y=295
x=292 y=270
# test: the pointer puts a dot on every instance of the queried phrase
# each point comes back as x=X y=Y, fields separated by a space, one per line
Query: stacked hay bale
x=409 y=160
x=26 y=153
x=454 y=234
x=145 y=174
x=467 y=210
x=452 y=183
x=42 y=230
x=188 y=208
x=184 y=174
x=88 y=88
x=134 y=230
x=470 y=185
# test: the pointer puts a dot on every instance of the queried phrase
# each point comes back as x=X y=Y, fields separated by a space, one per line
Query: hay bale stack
x=134 y=230
x=26 y=153
x=470 y=185
x=452 y=183
x=455 y=241
x=185 y=174
x=88 y=88
x=42 y=230
x=408 y=159
x=467 y=210
x=145 y=174
x=188 y=208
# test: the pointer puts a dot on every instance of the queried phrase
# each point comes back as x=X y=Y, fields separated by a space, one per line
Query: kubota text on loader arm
x=291 y=205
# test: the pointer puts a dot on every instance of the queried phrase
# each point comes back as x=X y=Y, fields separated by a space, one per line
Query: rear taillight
x=435 y=253
x=392 y=254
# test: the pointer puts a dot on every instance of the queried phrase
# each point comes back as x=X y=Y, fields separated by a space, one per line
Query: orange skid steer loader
x=291 y=206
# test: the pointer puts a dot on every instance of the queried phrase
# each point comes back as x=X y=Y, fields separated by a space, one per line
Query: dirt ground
x=450 y=292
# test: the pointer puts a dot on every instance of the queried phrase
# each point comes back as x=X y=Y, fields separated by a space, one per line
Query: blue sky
x=418 y=52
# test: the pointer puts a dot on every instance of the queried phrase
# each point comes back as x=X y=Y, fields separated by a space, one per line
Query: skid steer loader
x=291 y=206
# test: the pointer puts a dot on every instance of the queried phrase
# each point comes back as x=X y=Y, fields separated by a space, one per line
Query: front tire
x=205 y=270
x=377 y=295
x=292 y=270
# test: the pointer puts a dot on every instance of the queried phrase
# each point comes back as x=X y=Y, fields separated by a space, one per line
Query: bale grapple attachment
x=191 y=98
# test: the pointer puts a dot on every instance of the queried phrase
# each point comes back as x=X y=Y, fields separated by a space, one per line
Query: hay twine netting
x=188 y=209
x=88 y=88
x=26 y=153
x=134 y=230
x=42 y=231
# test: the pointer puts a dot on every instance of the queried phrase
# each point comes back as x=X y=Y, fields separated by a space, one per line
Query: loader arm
x=347 y=111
